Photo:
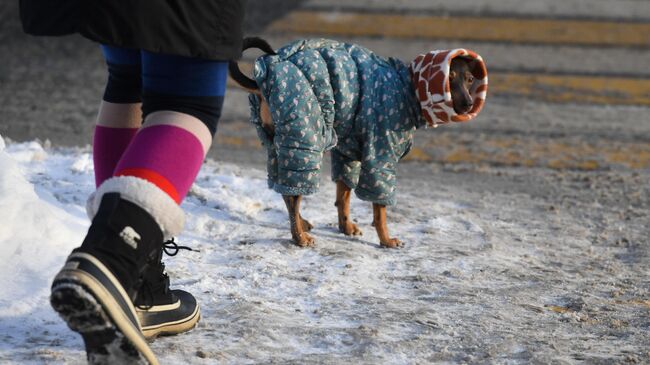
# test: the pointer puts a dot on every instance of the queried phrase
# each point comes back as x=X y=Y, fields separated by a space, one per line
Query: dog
x=316 y=95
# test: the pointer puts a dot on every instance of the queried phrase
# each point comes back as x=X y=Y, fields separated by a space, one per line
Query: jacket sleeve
x=313 y=69
x=377 y=181
x=298 y=141
x=345 y=169
x=383 y=145
x=50 y=18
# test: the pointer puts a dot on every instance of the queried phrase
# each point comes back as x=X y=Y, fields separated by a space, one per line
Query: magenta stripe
x=108 y=146
x=173 y=152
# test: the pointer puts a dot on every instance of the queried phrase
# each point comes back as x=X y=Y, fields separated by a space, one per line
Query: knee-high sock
x=108 y=146
x=168 y=152
x=116 y=126
x=120 y=113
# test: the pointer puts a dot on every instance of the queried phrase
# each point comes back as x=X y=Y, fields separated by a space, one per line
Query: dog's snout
x=463 y=104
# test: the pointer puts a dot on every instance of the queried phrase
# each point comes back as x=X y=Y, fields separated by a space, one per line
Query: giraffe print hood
x=430 y=75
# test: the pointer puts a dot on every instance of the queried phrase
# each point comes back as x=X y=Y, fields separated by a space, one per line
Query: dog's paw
x=304 y=240
x=350 y=229
x=391 y=243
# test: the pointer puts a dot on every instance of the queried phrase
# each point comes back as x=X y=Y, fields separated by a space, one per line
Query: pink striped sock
x=167 y=156
x=108 y=146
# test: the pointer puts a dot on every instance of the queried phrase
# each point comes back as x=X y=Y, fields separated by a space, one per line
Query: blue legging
x=166 y=82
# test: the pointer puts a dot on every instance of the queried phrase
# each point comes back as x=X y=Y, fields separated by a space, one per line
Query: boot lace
x=170 y=248
x=147 y=295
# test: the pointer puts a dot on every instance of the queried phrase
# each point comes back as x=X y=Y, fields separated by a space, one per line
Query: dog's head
x=461 y=80
x=450 y=84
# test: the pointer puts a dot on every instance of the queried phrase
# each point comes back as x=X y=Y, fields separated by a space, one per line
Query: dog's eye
x=470 y=79
x=452 y=75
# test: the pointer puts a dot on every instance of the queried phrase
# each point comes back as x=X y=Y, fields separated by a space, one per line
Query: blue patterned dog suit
x=324 y=95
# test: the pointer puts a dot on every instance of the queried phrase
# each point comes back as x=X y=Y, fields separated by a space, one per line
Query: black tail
x=233 y=67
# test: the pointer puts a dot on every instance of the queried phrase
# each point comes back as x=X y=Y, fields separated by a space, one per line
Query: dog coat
x=321 y=90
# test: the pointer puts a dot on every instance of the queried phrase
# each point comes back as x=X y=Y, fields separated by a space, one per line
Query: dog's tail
x=233 y=67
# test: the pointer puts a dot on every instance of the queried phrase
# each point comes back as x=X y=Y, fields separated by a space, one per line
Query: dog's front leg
x=342 y=204
x=379 y=221
x=300 y=237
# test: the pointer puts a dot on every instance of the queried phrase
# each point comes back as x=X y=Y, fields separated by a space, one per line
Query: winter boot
x=94 y=291
x=162 y=311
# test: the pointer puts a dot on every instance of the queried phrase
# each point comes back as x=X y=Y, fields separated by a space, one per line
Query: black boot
x=94 y=291
x=162 y=311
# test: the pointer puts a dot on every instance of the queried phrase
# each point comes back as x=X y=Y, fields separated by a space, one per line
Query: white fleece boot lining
x=163 y=209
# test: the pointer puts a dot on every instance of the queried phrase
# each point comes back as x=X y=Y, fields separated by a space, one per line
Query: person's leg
x=94 y=291
x=182 y=101
x=120 y=112
x=118 y=120
x=136 y=208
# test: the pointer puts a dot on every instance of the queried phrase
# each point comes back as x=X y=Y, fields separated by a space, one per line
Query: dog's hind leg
x=298 y=233
x=342 y=204
x=379 y=222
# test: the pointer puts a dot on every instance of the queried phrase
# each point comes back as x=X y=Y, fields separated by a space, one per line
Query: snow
x=25 y=207
x=473 y=284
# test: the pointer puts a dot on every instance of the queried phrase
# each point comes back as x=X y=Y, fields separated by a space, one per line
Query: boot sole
x=93 y=303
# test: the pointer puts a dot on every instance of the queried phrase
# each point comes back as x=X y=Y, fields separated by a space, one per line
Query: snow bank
x=36 y=234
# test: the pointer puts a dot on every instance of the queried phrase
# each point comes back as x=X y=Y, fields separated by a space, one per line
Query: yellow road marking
x=547 y=31
x=570 y=88
x=558 y=309
x=641 y=302
x=444 y=147
x=532 y=151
